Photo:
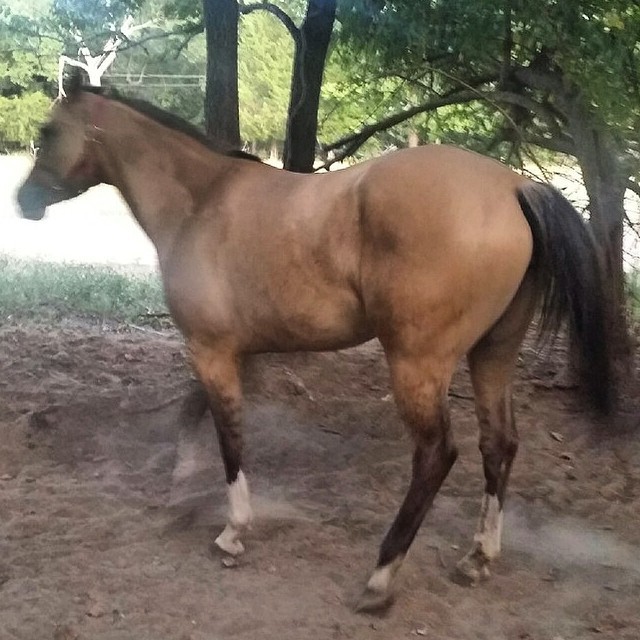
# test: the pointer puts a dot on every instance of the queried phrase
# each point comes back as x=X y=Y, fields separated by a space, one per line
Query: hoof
x=471 y=570
x=372 y=601
x=228 y=542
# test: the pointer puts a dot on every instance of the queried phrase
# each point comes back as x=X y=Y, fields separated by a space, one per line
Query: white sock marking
x=240 y=516
x=228 y=541
x=381 y=578
x=240 y=513
x=489 y=534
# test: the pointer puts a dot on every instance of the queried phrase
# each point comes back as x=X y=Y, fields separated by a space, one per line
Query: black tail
x=567 y=261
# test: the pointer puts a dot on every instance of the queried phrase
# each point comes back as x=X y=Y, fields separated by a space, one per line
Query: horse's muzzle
x=41 y=190
x=33 y=200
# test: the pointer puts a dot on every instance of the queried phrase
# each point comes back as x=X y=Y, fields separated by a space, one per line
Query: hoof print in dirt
x=43 y=420
x=468 y=574
x=229 y=562
x=374 y=602
x=5 y=576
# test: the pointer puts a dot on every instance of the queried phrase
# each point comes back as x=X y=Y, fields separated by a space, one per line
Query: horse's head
x=66 y=163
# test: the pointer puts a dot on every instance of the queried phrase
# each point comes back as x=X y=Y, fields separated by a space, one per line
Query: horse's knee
x=441 y=439
x=499 y=444
x=451 y=452
x=498 y=434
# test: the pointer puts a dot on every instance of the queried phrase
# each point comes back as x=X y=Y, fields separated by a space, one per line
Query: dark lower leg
x=430 y=468
x=498 y=445
x=218 y=371
x=229 y=431
x=431 y=464
x=226 y=414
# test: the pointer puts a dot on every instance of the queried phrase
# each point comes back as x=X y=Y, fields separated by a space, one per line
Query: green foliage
x=171 y=80
x=28 y=59
x=445 y=44
x=34 y=289
x=27 y=68
x=87 y=16
x=265 y=58
x=20 y=119
x=89 y=21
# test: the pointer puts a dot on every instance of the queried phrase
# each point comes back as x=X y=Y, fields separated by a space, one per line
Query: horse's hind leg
x=217 y=368
x=420 y=388
x=492 y=364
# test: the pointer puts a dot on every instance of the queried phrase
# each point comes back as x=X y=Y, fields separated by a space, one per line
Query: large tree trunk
x=308 y=68
x=605 y=179
x=605 y=171
x=221 y=94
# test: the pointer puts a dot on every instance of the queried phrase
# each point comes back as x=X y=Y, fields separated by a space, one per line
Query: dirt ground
x=99 y=541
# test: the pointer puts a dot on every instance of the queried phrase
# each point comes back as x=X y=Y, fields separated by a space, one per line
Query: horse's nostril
x=32 y=201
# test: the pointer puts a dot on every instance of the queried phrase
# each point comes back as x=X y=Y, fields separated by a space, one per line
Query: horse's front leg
x=218 y=369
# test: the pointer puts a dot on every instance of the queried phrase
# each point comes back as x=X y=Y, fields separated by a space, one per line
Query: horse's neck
x=162 y=177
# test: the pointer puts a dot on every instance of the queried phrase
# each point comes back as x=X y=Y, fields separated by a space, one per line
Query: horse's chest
x=196 y=296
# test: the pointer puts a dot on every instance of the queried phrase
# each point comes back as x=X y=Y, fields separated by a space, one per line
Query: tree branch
x=556 y=144
x=352 y=142
x=365 y=133
x=189 y=31
x=538 y=78
x=276 y=11
x=536 y=108
x=634 y=187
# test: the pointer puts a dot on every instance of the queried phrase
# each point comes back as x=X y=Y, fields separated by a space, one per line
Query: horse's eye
x=47 y=132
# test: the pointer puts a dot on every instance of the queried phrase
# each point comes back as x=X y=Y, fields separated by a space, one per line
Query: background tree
x=92 y=33
x=311 y=42
x=221 y=95
x=311 y=47
x=28 y=63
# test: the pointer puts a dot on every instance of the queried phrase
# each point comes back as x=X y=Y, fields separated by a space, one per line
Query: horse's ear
x=74 y=84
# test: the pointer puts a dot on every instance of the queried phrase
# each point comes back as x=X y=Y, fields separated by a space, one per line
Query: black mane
x=169 y=120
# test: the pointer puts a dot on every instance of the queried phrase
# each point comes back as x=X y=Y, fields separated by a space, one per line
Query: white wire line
x=182 y=76
x=159 y=85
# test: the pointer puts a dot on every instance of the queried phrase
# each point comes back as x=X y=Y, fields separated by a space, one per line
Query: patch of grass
x=46 y=291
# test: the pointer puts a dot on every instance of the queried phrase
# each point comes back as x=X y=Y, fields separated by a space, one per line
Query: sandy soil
x=97 y=542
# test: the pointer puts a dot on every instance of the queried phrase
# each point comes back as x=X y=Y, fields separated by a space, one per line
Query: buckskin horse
x=436 y=251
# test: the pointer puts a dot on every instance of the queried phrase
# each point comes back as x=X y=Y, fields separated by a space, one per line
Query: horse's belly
x=327 y=325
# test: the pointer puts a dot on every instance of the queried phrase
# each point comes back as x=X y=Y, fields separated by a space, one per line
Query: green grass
x=47 y=291
x=50 y=291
